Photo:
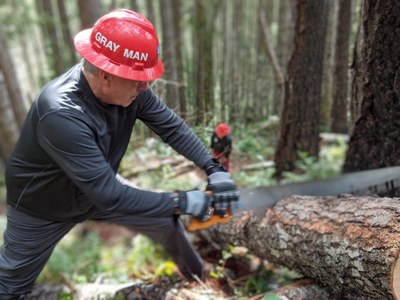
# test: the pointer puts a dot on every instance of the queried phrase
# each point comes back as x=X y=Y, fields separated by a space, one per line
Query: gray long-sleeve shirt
x=65 y=162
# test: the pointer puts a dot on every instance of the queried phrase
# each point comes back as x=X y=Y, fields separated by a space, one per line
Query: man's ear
x=105 y=77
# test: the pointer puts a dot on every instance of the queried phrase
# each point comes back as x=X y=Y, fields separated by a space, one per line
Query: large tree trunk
x=376 y=104
x=350 y=244
x=299 y=130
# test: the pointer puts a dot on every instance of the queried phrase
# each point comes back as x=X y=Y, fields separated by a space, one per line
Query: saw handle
x=196 y=224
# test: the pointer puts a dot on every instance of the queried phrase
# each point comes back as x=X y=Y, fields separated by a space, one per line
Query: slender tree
x=299 y=128
x=89 y=12
x=53 y=47
x=203 y=58
x=170 y=58
x=328 y=68
x=9 y=128
x=68 y=46
x=177 y=18
x=376 y=136
x=339 y=100
x=14 y=95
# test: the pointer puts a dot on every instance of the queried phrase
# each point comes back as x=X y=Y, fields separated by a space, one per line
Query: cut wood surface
x=349 y=244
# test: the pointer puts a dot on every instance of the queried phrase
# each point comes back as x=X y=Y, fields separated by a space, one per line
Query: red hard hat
x=122 y=43
x=222 y=130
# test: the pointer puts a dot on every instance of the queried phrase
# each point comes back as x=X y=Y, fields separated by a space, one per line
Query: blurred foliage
x=85 y=258
x=76 y=257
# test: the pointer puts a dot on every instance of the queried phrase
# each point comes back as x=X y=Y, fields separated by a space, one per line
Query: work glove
x=195 y=202
x=223 y=188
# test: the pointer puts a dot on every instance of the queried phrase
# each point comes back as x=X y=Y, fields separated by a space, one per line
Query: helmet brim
x=83 y=46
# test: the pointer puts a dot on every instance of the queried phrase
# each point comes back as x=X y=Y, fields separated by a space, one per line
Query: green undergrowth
x=84 y=258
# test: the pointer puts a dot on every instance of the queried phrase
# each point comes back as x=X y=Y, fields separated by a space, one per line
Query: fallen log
x=348 y=244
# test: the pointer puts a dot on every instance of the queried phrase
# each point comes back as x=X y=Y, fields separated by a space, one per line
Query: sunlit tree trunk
x=376 y=136
x=299 y=128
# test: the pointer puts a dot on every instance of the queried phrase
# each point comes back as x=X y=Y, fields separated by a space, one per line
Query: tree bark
x=302 y=89
x=374 y=142
x=349 y=244
x=339 y=99
x=70 y=55
x=89 y=12
x=9 y=129
x=169 y=55
x=177 y=18
x=53 y=46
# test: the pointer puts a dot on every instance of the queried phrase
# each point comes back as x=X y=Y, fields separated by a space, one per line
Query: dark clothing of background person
x=221 y=149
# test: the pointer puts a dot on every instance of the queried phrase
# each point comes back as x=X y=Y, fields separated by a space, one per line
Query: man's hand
x=224 y=190
x=195 y=203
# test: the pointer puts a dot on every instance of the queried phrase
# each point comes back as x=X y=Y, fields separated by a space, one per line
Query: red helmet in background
x=222 y=130
x=122 y=43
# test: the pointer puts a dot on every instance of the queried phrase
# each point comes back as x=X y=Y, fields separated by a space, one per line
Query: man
x=63 y=169
x=221 y=144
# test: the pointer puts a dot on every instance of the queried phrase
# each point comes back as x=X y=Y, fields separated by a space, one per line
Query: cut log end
x=396 y=279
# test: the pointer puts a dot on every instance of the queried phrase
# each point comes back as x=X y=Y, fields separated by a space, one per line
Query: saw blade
x=357 y=183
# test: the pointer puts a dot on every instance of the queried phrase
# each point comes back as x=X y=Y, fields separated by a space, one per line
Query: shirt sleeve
x=71 y=143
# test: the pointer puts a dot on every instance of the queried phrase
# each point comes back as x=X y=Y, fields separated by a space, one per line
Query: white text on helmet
x=136 y=55
x=106 y=43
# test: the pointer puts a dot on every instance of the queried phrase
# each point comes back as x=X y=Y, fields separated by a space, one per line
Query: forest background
x=282 y=73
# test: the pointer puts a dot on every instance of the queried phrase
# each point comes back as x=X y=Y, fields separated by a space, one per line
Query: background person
x=221 y=144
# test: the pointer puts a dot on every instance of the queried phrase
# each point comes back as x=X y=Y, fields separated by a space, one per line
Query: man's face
x=120 y=91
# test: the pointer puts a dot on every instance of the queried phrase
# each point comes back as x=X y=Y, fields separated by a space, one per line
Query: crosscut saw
x=375 y=181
